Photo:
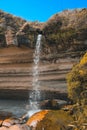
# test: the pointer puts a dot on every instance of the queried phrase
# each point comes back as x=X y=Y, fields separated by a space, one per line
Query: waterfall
x=35 y=82
x=35 y=94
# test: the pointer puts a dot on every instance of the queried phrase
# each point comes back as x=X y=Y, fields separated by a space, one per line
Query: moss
x=57 y=120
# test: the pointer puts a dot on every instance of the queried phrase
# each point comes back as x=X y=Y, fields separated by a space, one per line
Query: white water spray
x=35 y=94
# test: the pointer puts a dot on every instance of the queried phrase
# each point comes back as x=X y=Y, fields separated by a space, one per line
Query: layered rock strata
x=16 y=66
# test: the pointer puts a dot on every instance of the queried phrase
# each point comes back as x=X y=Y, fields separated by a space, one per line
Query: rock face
x=67 y=31
x=64 y=41
x=10 y=37
x=9 y=25
x=27 y=35
x=16 y=74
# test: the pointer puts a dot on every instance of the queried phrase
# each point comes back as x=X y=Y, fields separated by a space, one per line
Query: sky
x=39 y=10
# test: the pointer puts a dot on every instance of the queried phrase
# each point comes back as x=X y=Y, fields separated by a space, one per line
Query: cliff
x=67 y=31
x=63 y=42
x=63 y=32
x=9 y=25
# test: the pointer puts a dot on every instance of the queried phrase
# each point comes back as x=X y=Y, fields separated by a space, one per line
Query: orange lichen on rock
x=33 y=120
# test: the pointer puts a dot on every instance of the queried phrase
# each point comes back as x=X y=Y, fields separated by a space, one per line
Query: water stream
x=35 y=94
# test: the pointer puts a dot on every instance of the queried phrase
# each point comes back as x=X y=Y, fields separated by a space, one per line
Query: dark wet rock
x=1 y=121
x=27 y=35
x=2 y=40
x=4 y=115
x=52 y=104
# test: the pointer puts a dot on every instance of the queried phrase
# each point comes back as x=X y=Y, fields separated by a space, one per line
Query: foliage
x=80 y=117
x=8 y=20
x=84 y=60
x=77 y=82
x=67 y=31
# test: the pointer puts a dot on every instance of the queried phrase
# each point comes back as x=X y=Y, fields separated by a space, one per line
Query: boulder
x=33 y=120
x=52 y=104
x=11 y=121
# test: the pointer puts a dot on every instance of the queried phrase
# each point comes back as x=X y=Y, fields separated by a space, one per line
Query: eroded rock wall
x=63 y=42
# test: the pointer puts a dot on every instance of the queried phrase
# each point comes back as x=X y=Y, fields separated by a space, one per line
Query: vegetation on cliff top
x=8 y=20
x=67 y=30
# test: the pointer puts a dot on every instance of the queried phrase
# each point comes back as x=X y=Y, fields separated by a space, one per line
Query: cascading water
x=35 y=94
x=35 y=82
